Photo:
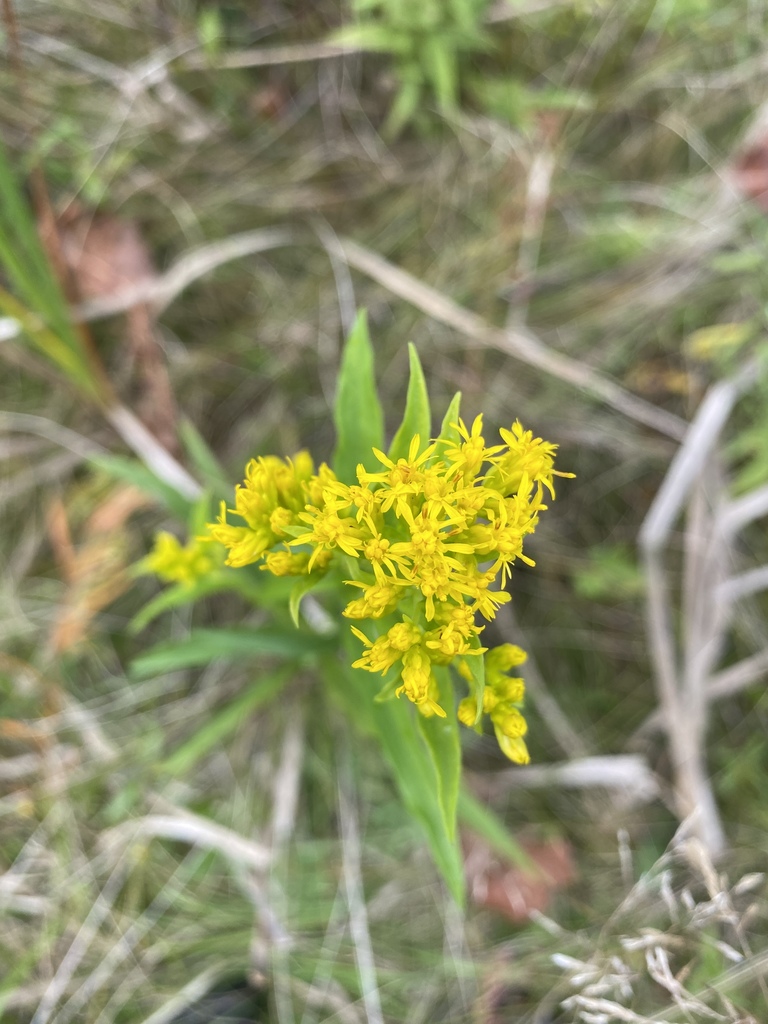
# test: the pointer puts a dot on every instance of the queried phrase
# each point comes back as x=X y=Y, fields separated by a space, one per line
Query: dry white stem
x=627 y=772
x=159 y=292
x=14 y=768
x=192 y=829
x=87 y=724
x=330 y=997
x=353 y=884
x=102 y=906
x=152 y=453
x=266 y=56
x=743 y=511
x=123 y=948
x=191 y=993
x=56 y=433
x=537 y=190
x=285 y=790
x=726 y=683
x=746 y=583
x=682 y=681
x=688 y=463
x=518 y=343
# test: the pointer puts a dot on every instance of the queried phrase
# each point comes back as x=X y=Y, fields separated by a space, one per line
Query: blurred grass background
x=581 y=170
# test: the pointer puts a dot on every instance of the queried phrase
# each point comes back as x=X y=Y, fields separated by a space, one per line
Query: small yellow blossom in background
x=430 y=538
x=177 y=563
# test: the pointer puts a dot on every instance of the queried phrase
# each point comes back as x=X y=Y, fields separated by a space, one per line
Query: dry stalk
x=518 y=343
x=683 y=672
x=353 y=884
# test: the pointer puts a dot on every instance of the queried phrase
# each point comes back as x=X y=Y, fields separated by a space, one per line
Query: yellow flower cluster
x=177 y=563
x=429 y=538
x=272 y=500
x=501 y=699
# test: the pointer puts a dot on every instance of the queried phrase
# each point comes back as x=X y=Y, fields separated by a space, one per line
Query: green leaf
x=417 y=418
x=223 y=723
x=38 y=302
x=136 y=473
x=357 y=413
x=448 y=432
x=208 y=467
x=210 y=31
x=179 y=594
x=300 y=589
x=486 y=823
x=404 y=108
x=203 y=645
x=442 y=738
x=439 y=63
x=374 y=38
x=476 y=665
x=394 y=724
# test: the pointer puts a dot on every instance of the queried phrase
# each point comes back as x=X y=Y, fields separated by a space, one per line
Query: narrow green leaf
x=374 y=38
x=300 y=589
x=179 y=594
x=412 y=765
x=203 y=645
x=357 y=414
x=417 y=418
x=485 y=822
x=476 y=665
x=40 y=305
x=223 y=723
x=448 y=432
x=208 y=467
x=442 y=738
x=439 y=62
x=136 y=473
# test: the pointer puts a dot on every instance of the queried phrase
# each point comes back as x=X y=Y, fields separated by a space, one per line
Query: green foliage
x=36 y=301
x=416 y=419
x=514 y=100
x=210 y=31
x=131 y=471
x=223 y=723
x=611 y=573
x=442 y=738
x=357 y=413
x=428 y=41
x=203 y=646
x=421 y=767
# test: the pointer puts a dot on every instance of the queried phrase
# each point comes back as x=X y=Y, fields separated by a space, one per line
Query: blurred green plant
x=611 y=573
x=425 y=537
x=35 y=301
x=428 y=42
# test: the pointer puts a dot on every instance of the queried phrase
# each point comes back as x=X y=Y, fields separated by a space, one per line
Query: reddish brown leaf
x=750 y=173
x=512 y=890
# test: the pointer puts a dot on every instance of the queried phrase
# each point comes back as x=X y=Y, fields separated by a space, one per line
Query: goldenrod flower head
x=431 y=537
x=177 y=563
x=271 y=501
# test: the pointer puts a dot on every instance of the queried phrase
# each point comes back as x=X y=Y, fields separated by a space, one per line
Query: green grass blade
x=140 y=476
x=179 y=594
x=442 y=738
x=208 y=467
x=393 y=724
x=204 y=645
x=416 y=418
x=223 y=723
x=357 y=414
